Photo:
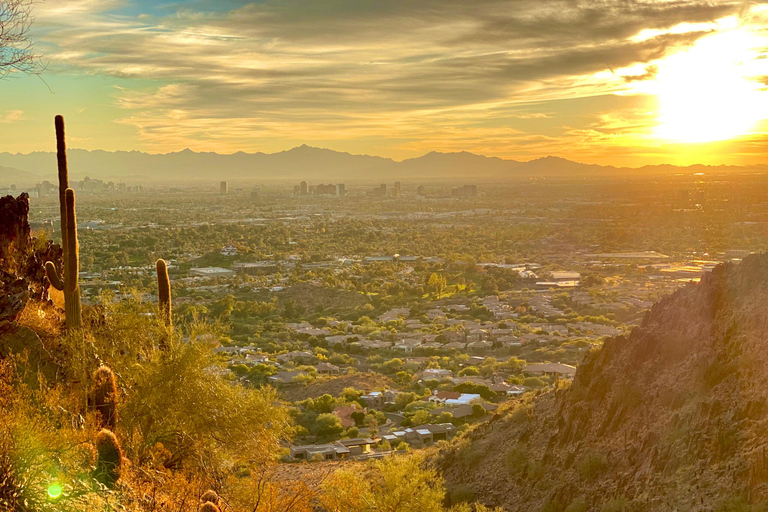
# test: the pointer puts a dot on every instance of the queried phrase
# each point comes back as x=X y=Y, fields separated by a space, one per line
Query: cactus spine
x=209 y=507
x=105 y=397
x=68 y=284
x=109 y=458
x=164 y=293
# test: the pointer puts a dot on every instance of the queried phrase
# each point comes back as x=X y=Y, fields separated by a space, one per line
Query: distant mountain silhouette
x=13 y=176
x=304 y=162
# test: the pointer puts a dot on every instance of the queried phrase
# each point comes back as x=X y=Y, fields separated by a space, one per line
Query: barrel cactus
x=109 y=459
x=105 y=396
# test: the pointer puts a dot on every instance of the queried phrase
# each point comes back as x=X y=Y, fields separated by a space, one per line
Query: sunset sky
x=600 y=81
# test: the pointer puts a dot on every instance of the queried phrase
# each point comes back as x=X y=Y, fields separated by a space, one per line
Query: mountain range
x=305 y=163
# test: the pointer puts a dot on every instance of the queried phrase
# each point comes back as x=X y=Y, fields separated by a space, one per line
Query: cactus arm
x=53 y=276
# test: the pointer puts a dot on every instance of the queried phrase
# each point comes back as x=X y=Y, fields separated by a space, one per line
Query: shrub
x=578 y=504
x=615 y=505
x=517 y=461
x=461 y=494
x=536 y=471
x=533 y=382
x=593 y=465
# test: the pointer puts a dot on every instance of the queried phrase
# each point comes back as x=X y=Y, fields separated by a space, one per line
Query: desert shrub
x=395 y=484
x=470 y=454
x=533 y=382
x=739 y=504
x=593 y=465
x=553 y=505
x=522 y=414
x=461 y=494
x=536 y=470
x=177 y=398
x=517 y=461
x=615 y=505
x=578 y=504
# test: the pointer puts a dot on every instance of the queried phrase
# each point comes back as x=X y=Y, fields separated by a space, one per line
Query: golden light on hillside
x=710 y=92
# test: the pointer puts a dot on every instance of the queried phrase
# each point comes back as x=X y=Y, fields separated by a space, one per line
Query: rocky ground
x=672 y=417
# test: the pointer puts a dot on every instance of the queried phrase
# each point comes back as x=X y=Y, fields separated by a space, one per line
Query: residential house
x=331 y=451
x=556 y=369
x=344 y=412
x=358 y=445
x=324 y=368
x=301 y=357
x=373 y=400
x=436 y=374
x=459 y=411
x=503 y=388
x=285 y=377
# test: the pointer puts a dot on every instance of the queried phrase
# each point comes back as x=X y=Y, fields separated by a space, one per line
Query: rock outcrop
x=672 y=417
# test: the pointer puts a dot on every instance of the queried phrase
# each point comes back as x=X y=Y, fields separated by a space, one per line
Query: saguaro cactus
x=68 y=283
x=164 y=292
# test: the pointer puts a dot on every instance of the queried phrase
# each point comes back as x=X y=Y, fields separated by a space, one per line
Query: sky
x=615 y=82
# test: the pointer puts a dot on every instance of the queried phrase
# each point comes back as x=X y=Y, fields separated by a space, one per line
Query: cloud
x=303 y=70
x=11 y=116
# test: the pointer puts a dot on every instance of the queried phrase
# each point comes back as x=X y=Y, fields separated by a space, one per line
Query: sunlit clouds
x=605 y=81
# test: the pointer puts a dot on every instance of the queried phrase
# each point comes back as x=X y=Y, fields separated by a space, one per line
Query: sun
x=708 y=92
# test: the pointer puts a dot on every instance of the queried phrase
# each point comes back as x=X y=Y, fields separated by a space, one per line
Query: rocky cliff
x=672 y=417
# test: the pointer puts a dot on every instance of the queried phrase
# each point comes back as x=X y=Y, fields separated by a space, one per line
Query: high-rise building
x=304 y=188
x=420 y=191
x=465 y=191
x=255 y=195
x=341 y=189
x=224 y=188
x=398 y=189
x=383 y=189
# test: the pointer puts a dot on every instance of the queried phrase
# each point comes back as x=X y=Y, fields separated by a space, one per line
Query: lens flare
x=54 y=490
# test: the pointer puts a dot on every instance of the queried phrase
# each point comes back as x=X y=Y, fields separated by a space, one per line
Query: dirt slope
x=672 y=417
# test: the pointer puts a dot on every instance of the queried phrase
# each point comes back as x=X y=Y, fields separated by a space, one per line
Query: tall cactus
x=164 y=293
x=68 y=284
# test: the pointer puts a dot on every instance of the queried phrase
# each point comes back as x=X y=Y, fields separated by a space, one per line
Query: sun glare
x=708 y=92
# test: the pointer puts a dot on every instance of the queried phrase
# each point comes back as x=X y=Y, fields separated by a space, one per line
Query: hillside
x=672 y=417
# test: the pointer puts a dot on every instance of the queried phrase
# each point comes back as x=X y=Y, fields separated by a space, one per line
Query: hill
x=12 y=176
x=672 y=417
x=309 y=163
